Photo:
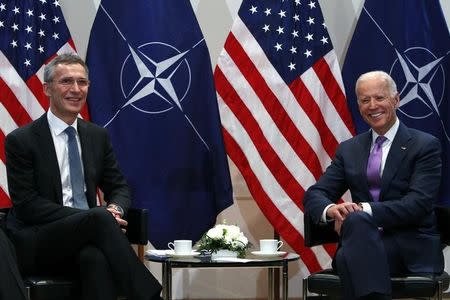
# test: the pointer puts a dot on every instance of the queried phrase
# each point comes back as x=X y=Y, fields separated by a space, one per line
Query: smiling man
x=55 y=165
x=393 y=174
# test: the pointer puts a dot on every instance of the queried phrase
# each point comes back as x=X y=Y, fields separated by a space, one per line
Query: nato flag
x=408 y=39
x=152 y=88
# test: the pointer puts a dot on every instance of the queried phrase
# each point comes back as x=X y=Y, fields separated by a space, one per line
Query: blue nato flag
x=409 y=39
x=152 y=88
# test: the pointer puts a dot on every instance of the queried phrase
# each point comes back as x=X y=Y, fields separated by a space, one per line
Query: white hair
x=378 y=75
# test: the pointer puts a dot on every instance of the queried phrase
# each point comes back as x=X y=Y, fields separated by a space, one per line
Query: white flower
x=243 y=239
x=215 y=233
x=227 y=237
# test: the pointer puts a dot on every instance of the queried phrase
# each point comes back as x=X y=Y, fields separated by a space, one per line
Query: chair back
x=318 y=233
x=443 y=222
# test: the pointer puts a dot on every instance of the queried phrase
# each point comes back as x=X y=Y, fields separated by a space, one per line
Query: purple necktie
x=374 y=168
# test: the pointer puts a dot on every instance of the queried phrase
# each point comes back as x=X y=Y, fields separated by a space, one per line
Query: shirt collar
x=57 y=125
x=390 y=134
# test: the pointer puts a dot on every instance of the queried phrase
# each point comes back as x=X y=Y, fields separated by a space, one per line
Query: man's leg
x=366 y=268
x=60 y=242
x=11 y=284
x=96 y=280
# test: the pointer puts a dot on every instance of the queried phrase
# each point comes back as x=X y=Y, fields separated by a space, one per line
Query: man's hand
x=117 y=215
x=339 y=212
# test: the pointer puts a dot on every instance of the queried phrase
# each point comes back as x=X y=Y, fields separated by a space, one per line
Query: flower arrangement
x=226 y=237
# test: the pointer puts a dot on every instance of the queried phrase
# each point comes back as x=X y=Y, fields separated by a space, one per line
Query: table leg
x=285 y=280
x=167 y=280
x=271 y=283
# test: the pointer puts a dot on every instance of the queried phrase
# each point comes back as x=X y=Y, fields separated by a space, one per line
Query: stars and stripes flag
x=31 y=33
x=283 y=109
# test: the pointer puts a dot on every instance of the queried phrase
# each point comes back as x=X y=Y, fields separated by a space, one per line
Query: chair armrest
x=137 y=229
x=443 y=221
x=3 y=213
x=318 y=234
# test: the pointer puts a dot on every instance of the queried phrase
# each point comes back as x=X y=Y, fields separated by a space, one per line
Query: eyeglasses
x=68 y=82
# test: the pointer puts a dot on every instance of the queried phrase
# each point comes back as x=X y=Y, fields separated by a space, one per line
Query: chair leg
x=140 y=249
x=305 y=288
x=440 y=290
x=28 y=290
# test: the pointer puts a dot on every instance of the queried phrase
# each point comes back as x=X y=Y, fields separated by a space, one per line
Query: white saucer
x=171 y=253
x=265 y=254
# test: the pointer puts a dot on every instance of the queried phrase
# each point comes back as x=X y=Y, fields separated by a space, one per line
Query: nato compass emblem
x=162 y=80
x=421 y=84
x=420 y=78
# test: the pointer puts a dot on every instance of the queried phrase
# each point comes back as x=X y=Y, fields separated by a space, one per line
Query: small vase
x=224 y=253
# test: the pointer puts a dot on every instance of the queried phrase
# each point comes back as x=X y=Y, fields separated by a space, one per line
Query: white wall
x=215 y=18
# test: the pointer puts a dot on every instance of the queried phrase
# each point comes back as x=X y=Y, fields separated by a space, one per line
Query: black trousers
x=91 y=245
x=362 y=261
x=11 y=284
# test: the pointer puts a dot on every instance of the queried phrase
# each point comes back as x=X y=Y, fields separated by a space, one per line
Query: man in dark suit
x=390 y=227
x=55 y=165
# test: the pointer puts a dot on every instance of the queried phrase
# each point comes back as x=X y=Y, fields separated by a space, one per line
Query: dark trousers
x=11 y=284
x=365 y=259
x=89 y=244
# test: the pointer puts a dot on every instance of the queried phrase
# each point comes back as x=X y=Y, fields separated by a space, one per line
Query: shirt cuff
x=324 y=213
x=366 y=207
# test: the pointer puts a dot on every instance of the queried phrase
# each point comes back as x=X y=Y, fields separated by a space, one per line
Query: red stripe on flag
x=271 y=159
x=35 y=86
x=270 y=210
x=72 y=44
x=4 y=199
x=334 y=92
x=85 y=112
x=2 y=146
x=273 y=106
x=311 y=108
x=13 y=106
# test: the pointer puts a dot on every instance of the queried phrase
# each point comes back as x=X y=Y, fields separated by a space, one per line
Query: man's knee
x=356 y=218
x=101 y=217
x=358 y=222
x=91 y=256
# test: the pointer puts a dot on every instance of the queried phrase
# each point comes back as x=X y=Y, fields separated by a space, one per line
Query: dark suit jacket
x=34 y=179
x=410 y=184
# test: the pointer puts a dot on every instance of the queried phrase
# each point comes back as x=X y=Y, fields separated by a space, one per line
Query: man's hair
x=378 y=75
x=63 y=59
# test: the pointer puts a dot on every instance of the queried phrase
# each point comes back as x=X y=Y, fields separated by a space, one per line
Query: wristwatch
x=117 y=208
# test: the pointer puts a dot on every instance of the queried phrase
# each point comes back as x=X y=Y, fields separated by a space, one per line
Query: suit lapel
x=366 y=143
x=44 y=136
x=395 y=157
x=88 y=161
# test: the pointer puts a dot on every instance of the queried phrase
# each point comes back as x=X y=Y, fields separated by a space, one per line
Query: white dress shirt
x=57 y=127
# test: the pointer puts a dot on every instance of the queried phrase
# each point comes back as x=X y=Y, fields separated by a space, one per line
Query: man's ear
x=46 y=89
x=397 y=100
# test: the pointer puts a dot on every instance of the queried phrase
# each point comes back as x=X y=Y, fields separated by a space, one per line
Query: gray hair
x=378 y=75
x=63 y=59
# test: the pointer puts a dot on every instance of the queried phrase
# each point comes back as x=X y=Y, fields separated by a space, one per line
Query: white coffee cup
x=270 y=246
x=181 y=246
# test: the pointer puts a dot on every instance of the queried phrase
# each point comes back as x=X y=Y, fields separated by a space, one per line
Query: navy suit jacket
x=410 y=184
x=34 y=180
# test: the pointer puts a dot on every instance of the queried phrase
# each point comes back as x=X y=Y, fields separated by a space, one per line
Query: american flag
x=32 y=32
x=283 y=109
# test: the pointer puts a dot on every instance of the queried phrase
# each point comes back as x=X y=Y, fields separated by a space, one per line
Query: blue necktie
x=374 y=168
x=76 y=173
